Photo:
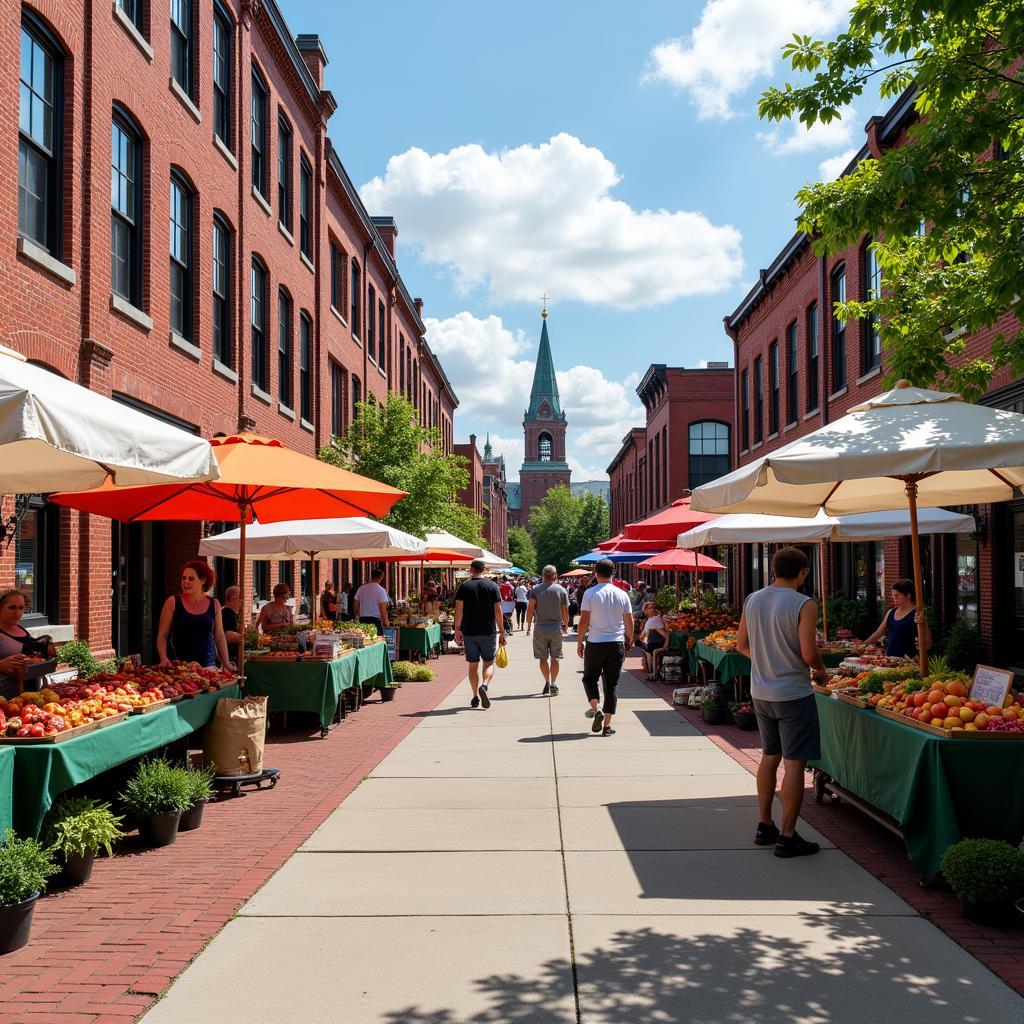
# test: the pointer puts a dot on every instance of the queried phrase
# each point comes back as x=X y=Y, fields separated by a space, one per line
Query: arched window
x=709 y=451
x=838 y=330
x=544 y=448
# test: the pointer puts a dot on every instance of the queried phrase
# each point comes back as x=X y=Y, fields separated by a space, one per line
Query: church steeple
x=488 y=452
x=545 y=384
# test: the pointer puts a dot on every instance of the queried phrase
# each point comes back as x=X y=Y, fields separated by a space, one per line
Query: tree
x=387 y=443
x=521 y=550
x=565 y=526
x=959 y=176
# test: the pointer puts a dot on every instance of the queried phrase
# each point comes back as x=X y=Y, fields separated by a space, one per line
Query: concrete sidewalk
x=508 y=866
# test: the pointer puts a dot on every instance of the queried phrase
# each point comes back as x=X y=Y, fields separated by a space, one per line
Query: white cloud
x=543 y=217
x=491 y=369
x=736 y=43
x=831 y=168
x=794 y=137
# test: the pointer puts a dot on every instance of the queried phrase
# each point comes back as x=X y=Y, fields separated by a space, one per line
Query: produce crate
x=155 y=706
x=68 y=734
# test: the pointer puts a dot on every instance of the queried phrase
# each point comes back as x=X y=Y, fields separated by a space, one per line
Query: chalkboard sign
x=990 y=685
x=390 y=634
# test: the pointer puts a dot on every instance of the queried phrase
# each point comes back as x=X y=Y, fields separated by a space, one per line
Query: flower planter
x=716 y=716
x=995 y=913
x=160 y=829
x=192 y=818
x=388 y=693
x=77 y=868
x=745 y=720
x=16 y=924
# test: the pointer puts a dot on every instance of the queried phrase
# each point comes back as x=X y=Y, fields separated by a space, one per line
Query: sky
x=610 y=157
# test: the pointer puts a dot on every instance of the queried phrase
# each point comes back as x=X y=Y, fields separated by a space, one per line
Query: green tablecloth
x=419 y=641
x=6 y=787
x=728 y=665
x=315 y=686
x=677 y=639
x=834 y=660
x=939 y=790
x=42 y=772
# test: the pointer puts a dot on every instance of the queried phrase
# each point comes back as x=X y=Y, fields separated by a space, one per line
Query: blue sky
x=608 y=155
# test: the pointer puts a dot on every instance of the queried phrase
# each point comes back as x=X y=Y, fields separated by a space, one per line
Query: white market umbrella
x=56 y=435
x=449 y=542
x=904 y=448
x=494 y=561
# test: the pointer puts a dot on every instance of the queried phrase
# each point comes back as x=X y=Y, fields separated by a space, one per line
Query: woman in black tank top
x=191 y=628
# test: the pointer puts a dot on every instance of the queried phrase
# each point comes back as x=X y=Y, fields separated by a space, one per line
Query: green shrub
x=24 y=867
x=422 y=674
x=200 y=784
x=77 y=655
x=402 y=671
x=984 y=870
x=76 y=825
x=964 y=648
x=665 y=599
x=847 y=613
x=157 y=788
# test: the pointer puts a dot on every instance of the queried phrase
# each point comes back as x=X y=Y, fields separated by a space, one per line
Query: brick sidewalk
x=102 y=953
x=873 y=847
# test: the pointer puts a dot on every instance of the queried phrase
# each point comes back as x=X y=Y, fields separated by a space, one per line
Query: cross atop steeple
x=544 y=307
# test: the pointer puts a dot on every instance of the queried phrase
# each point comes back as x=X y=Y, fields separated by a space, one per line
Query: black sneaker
x=475 y=702
x=554 y=691
x=795 y=846
x=607 y=731
x=546 y=690
x=484 y=699
x=766 y=834
x=598 y=721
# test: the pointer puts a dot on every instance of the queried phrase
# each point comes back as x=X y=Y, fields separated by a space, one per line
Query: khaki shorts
x=547 y=645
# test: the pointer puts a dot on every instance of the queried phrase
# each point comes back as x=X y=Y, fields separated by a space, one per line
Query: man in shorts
x=778 y=632
x=479 y=628
x=548 y=612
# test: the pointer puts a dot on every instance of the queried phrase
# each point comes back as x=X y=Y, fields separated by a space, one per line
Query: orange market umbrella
x=260 y=481
x=430 y=555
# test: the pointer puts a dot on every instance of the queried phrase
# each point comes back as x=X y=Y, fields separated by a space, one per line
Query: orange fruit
x=935 y=696
x=966 y=715
x=956 y=688
x=952 y=723
x=919 y=698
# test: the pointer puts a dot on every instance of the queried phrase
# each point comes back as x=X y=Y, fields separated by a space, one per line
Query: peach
x=935 y=696
x=966 y=715
x=981 y=719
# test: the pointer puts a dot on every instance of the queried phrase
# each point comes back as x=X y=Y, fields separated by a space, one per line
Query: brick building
x=685 y=441
x=485 y=492
x=235 y=281
x=799 y=367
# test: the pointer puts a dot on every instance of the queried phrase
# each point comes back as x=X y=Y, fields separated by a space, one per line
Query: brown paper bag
x=233 y=742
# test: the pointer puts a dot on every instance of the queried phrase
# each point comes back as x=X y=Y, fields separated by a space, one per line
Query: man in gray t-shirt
x=548 y=613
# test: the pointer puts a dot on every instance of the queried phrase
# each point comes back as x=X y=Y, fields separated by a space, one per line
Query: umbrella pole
x=243 y=608
x=823 y=587
x=696 y=592
x=676 y=574
x=922 y=650
x=314 y=587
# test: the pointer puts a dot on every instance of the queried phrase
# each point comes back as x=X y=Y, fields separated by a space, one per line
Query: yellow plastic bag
x=502 y=657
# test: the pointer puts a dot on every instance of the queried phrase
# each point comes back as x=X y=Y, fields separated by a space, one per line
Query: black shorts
x=789 y=728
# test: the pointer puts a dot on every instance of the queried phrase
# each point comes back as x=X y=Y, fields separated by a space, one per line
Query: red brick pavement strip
x=876 y=849
x=102 y=953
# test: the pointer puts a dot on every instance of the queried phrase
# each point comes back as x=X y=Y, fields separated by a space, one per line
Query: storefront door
x=139 y=590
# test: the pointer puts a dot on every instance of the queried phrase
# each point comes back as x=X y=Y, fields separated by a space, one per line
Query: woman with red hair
x=190 y=622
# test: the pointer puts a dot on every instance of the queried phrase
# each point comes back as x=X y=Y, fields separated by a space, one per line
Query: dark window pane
x=222 y=77
x=181 y=43
x=284 y=350
x=258 y=134
x=222 y=344
x=305 y=369
x=306 y=208
x=284 y=174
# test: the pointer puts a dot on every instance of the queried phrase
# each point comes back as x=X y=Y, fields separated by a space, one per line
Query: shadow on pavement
x=664 y=723
x=557 y=737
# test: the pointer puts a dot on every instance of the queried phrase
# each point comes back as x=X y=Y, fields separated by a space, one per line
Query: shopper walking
x=605 y=634
x=548 y=611
x=371 y=602
x=522 y=600
x=479 y=629
x=778 y=633
x=508 y=602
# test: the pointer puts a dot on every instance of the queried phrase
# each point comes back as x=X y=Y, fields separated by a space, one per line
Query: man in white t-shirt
x=606 y=620
x=371 y=601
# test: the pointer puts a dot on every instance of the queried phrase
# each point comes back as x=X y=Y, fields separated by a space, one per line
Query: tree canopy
x=521 y=550
x=387 y=443
x=565 y=526
x=944 y=208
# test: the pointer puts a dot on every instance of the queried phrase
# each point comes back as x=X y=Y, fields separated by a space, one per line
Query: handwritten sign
x=990 y=685
x=391 y=636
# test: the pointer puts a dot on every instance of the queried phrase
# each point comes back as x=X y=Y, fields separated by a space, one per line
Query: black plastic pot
x=78 y=867
x=367 y=689
x=192 y=818
x=746 y=720
x=159 y=829
x=16 y=924
x=716 y=716
x=995 y=913
x=388 y=693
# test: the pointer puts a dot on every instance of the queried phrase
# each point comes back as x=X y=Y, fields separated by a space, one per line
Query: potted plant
x=422 y=674
x=75 y=829
x=988 y=876
x=156 y=795
x=402 y=671
x=200 y=791
x=744 y=717
x=24 y=867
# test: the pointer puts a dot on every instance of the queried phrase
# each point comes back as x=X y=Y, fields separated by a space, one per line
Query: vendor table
x=677 y=641
x=316 y=686
x=938 y=790
x=6 y=788
x=43 y=771
x=728 y=665
x=424 y=642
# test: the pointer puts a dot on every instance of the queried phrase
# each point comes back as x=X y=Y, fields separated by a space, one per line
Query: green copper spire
x=488 y=456
x=545 y=386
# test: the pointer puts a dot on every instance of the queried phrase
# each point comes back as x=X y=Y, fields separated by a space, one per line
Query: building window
x=181 y=44
x=261 y=581
x=745 y=407
x=37 y=562
x=709 y=452
x=284 y=174
x=408 y=373
x=260 y=369
x=284 y=348
x=967 y=577
x=792 y=371
x=544 y=448
x=305 y=367
x=838 y=329
x=258 y=133
x=401 y=363
x=305 y=207
x=222 y=75
x=126 y=210
x=337 y=400
x=758 y=400
x=382 y=359
x=40 y=151
x=339 y=261
x=181 y=258
x=356 y=295
x=222 y=291
x=371 y=331
x=871 y=327
x=773 y=388
x=286 y=574
x=357 y=396
x=133 y=9
x=813 y=350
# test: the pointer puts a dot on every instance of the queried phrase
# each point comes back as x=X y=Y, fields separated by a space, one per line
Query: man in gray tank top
x=548 y=611
x=778 y=632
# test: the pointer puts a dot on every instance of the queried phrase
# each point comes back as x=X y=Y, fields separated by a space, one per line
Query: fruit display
x=723 y=639
x=700 y=620
x=944 y=703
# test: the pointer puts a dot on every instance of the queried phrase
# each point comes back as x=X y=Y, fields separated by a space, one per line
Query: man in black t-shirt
x=479 y=628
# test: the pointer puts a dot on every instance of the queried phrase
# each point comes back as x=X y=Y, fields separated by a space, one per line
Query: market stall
x=6 y=788
x=419 y=641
